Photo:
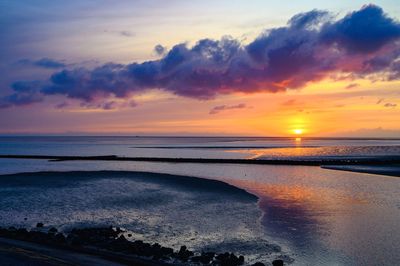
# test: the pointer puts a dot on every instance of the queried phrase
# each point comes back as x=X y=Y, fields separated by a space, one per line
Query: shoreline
x=386 y=166
x=199 y=195
x=103 y=245
x=384 y=160
x=389 y=171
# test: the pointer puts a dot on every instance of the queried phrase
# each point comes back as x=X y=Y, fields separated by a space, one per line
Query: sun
x=298 y=131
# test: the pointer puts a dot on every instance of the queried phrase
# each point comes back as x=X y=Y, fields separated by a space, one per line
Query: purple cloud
x=20 y=99
x=159 y=49
x=364 y=31
x=25 y=93
x=220 y=108
x=312 y=46
x=62 y=105
x=44 y=63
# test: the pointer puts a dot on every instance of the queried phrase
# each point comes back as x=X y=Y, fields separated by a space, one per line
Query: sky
x=244 y=67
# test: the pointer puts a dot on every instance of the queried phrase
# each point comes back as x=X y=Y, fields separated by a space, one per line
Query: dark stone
x=167 y=251
x=60 y=238
x=53 y=230
x=195 y=258
x=204 y=258
x=184 y=254
x=108 y=238
x=228 y=259
x=39 y=225
x=258 y=264
x=277 y=263
x=182 y=249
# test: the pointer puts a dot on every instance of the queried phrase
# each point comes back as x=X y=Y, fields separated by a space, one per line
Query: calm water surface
x=325 y=217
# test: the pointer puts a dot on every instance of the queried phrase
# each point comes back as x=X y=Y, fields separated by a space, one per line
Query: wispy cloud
x=127 y=33
x=352 y=86
x=220 y=108
x=390 y=105
x=290 y=102
x=43 y=62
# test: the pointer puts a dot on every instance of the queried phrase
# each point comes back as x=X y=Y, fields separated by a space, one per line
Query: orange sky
x=325 y=108
x=85 y=35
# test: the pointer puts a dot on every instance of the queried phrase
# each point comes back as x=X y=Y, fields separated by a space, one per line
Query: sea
x=305 y=215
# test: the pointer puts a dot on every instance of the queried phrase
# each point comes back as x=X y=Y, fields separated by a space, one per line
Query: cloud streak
x=220 y=108
x=391 y=105
x=43 y=62
x=311 y=47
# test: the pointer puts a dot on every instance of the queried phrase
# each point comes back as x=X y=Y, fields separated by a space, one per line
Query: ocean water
x=311 y=215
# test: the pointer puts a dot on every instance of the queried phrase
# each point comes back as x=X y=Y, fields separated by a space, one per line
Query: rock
x=184 y=253
x=229 y=259
x=22 y=233
x=60 y=239
x=167 y=251
x=277 y=263
x=258 y=264
x=182 y=249
x=195 y=258
x=108 y=238
x=53 y=230
x=39 y=225
x=206 y=257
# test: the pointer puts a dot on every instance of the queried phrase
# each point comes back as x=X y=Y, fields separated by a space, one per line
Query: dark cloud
x=49 y=63
x=363 y=31
x=220 y=108
x=44 y=63
x=159 y=49
x=62 y=105
x=312 y=46
x=109 y=105
x=25 y=93
x=106 y=105
x=20 y=99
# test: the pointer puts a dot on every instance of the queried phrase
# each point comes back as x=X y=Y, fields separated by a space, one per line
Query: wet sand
x=205 y=215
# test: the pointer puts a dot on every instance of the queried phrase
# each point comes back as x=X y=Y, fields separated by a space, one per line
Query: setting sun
x=298 y=131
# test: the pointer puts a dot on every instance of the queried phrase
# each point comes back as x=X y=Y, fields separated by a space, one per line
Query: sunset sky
x=155 y=67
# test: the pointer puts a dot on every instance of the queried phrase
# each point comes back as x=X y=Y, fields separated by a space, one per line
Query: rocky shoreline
x=110 y=243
